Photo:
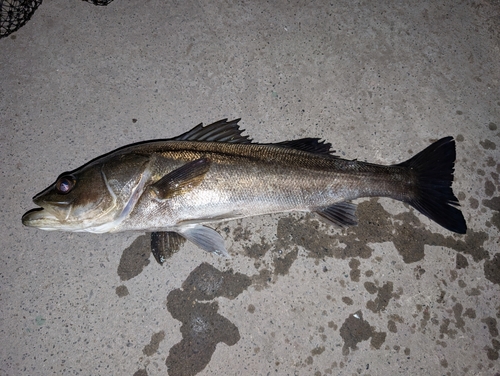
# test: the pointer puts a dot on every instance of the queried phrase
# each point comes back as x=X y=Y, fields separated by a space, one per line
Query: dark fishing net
x=99 y=2
x=15 y=13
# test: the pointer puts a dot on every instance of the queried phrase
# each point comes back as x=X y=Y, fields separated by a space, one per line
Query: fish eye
x=65 y=184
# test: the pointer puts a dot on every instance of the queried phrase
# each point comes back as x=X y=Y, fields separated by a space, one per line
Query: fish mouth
x=40 y=218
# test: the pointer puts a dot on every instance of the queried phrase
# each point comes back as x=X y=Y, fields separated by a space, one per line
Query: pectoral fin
x=205 y=238
x=182 y=179
x=342 y=214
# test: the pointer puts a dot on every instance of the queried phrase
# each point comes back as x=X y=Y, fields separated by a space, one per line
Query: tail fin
x=433 y=195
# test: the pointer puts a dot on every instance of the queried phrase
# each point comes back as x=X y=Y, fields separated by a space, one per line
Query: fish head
x=92 y=198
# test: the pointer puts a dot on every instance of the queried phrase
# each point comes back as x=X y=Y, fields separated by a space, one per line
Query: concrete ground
x=381 y=80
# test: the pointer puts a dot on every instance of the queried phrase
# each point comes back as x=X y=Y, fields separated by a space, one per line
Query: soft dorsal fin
x=311 y=145
x=220 y=131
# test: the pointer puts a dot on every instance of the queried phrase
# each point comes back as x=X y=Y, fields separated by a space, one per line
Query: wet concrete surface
x=396 y=294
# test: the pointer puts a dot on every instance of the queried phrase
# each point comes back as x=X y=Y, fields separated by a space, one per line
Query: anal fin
x=342 y=214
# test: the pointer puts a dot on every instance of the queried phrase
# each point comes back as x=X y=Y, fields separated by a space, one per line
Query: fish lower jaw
x=44 y=220
x=40 y=218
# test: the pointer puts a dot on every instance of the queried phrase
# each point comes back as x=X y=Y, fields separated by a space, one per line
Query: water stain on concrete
x=418 y=271
x=470 y=313
x=355 y=330
x=206 y=283
x=445 y=330
x=426 y=316
x=495 y=220
x=474 y=203
x=141 y=372
x=391 y=323
x=493 y=204
x=411 y=239
x=492 y=352
x=488 y=145
x=135 y=258
x=376 y=226
x=262 y=280
x=257 y=250
x=282 y=264
x=492 y=269
x=241 y=234
x=461 y=262
x=489 y=188
x=154 y=344
x=457 y=312
x=355 y=273
x=347 y=300
x=384 y=295
x=491 y=323
x=121 y=291
x=308 y=233
x=202 y=327
x=391 y=326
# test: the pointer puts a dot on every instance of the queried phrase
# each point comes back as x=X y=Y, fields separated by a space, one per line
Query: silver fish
x=214 y=173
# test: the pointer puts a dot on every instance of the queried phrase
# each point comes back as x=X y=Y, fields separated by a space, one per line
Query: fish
x=176 y=187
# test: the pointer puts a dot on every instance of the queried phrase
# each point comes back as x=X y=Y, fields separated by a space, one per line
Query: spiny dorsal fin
x=181 y=179
x=220 y=131
x=311 y=145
